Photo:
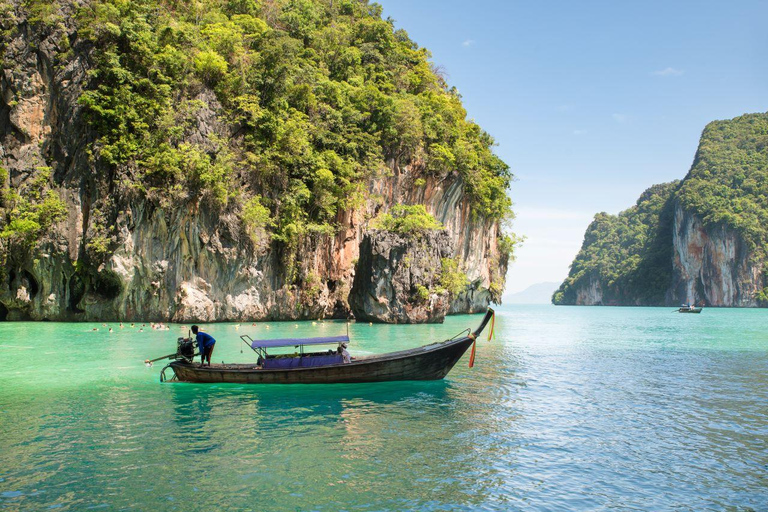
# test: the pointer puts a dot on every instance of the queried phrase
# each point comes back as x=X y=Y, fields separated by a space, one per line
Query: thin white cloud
x=468 y=42
x=619 y=118
x=668 y=71
x=579 y=132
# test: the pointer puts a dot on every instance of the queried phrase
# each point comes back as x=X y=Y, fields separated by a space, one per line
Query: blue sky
x=591 y=102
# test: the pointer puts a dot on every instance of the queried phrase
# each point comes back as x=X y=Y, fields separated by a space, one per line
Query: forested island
x=202 y=161
x=702 y=239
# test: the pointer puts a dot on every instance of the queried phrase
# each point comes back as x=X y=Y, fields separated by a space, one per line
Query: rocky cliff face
x=398 y=277
x=703 y=241
x=591 y=294
x=474 y=240
x=191 y=263
x=712 y=265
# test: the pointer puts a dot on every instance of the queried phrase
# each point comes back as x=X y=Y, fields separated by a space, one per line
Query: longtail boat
x=690 y=308
x=429 y=362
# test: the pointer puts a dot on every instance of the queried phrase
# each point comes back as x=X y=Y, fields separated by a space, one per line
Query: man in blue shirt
x=205 y=343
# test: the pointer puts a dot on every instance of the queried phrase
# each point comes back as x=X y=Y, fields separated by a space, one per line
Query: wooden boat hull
x=430 y=365
x=430 y=362
x=685 y=310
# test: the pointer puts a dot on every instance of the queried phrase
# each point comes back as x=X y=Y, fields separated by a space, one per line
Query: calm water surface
x=568 y=409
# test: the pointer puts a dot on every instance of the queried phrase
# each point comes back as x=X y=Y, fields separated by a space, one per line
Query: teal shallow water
x=568 y=409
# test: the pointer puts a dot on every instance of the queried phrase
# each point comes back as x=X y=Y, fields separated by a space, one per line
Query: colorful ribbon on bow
x=491 y=334
x=493 y=324
x=472 y=354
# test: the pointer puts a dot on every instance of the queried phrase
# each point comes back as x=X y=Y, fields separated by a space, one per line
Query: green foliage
x=422 y=294
x=5 y=190
x=452 y=278
x=256 y=217
x=99 y=241
x=29 y=212
x=496 y=290
x=99 y=245
x=508 y=243
x=629 y=254
x=43 y=12
x=406 y=220
x=728 y=182
x=210 y=66
x=321 y=93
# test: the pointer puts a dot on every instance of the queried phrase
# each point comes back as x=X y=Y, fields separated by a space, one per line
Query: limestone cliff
x=626 y=259
x=707 y=234
x=398 y=276
x=90 y=235
x=712 y=265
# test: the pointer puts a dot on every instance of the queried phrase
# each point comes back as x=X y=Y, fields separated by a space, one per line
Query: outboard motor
x=185 y=348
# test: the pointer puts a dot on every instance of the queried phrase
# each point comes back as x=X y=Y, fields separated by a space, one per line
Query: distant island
x=229 y=161
x=700 y=240
x=539 y=293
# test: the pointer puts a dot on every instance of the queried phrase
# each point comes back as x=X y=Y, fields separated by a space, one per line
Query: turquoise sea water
x=568 y=409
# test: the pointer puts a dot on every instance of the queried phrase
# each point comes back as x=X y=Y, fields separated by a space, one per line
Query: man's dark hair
x=194 y=329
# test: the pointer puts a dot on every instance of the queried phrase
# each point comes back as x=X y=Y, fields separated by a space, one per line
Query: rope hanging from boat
x=465 y=332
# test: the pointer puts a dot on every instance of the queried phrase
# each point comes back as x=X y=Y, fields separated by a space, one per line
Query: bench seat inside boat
x=305 y=361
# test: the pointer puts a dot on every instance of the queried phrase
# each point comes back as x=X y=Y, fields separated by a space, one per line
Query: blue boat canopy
x=293 y=342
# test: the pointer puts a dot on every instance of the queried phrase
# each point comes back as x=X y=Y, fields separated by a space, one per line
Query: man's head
x=195 y=329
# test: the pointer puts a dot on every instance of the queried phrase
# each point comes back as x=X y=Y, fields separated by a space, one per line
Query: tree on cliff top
x=728 y=182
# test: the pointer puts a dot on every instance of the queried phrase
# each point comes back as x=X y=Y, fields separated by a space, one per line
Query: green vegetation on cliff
x=728 y=182
x=29 y=212
x=629 y=257
x=406 y=220
x=629 y=254
x=257 y=136
x=321 y=95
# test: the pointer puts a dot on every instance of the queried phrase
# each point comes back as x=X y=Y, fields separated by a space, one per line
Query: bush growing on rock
x=406 y=220
x=422 y=293
x=210 y=66
x=31 y=210
x=452 y=278
x=255 y=216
